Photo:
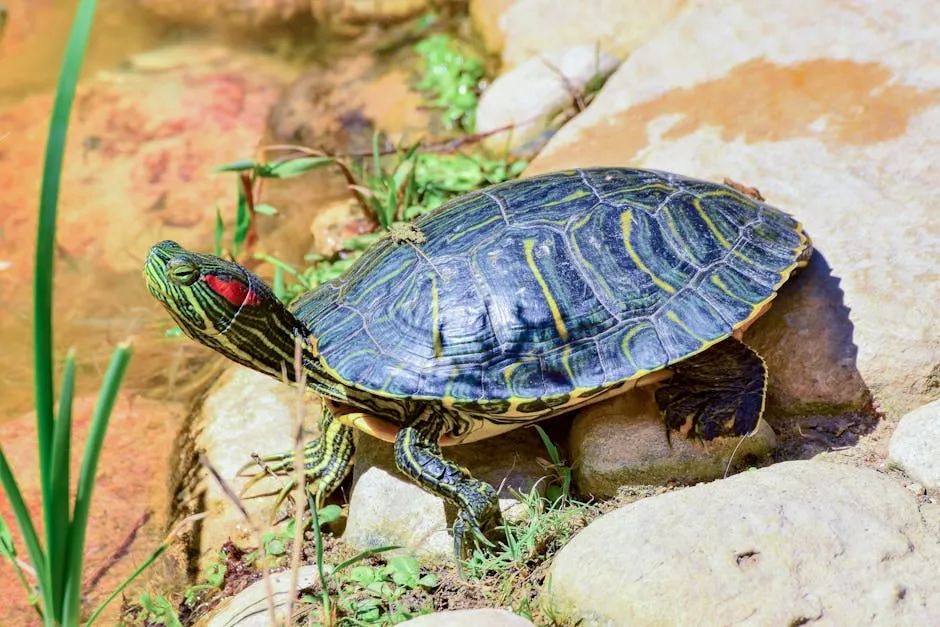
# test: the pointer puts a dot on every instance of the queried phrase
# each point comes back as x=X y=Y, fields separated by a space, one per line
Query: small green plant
x=373 y=595
x=513 y=572
x=561 y=488
x=157 y=610
x=393 y=189
x=451 y=78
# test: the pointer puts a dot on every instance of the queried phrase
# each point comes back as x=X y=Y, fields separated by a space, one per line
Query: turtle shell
x=537 y=292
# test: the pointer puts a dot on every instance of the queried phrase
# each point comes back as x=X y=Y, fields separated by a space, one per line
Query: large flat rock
x=832 y=110
x=796 y=543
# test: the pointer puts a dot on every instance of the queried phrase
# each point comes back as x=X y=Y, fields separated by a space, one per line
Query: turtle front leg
x=327 y=459
x=418 y=456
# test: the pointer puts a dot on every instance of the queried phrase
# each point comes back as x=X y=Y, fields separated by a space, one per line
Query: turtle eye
x=182 y=271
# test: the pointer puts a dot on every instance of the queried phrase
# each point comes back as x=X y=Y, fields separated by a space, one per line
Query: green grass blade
x=8 y=551
x=219 y=232
x=86 y=480
x=45 y=245
x=57 y=533
x=242 y=220
x=150 y=560
x=28 y=531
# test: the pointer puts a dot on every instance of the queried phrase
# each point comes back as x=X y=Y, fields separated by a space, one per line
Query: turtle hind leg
x=418 y=456
x=719 y=392
x=327 y=459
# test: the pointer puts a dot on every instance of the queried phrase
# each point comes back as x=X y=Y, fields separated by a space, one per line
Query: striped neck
x=222 y=305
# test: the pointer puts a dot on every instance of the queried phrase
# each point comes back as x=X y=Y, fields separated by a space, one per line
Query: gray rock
x=533 y=97
x=915 y=445
x=244 y=413
x=623 y=441
x=793 y=543
x=861 y=178
x=469 y=618
x=523 y=29
x=386 y=508
x=250 y=607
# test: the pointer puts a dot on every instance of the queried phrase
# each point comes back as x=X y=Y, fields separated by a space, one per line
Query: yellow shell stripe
x=528 y=246
x=576 y=249
x=382 y=281
x=697 y=203
x=453 y=238
x=625 y=221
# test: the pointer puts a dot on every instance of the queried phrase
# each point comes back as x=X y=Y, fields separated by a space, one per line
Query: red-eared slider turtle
x=509 y=305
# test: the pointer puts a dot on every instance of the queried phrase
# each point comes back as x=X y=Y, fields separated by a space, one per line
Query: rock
x=484 y=15
x=527 y=28
x=622 y=441
x=259 y=14
x=469 y=618
x=387 y=508
x=337 y=222
x=794 y=543
x=338 y=108
x=250 y=607
x=777 y=106
x=128 y=503
x=237 y=13
x=244 y=413
x=533 y=95
x=368 y=11
x=915 y=445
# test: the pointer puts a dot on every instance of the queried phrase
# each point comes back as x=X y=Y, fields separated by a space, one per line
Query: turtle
x=508 y=305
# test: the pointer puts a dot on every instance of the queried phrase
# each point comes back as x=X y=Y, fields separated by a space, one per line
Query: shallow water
x=98 y=302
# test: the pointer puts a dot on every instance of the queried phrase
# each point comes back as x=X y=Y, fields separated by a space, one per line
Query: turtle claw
x=466 y=525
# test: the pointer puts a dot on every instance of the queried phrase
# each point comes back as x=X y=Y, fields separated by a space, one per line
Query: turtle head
x=222 y=305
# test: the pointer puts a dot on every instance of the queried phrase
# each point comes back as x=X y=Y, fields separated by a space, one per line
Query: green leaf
x=57 y=536
x=362 y=575
x=275 y=547
x=265 y=209
x=237 y=166
x=278 y=286
x=295 y=167
x=404 y=565
x=329 y=514
x=428 y=581
x=363 y=555
x=86 y=479
x=242 y=219
x=219 y=232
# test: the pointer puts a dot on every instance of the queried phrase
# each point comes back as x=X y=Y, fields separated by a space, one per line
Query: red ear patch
x=232 y=290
